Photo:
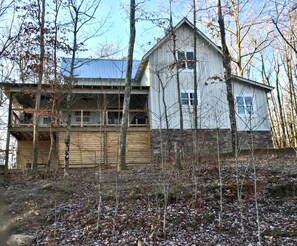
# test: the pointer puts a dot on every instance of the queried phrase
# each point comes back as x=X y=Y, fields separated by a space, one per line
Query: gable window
x=185 y=59
x=245 y=105
x=187 y=98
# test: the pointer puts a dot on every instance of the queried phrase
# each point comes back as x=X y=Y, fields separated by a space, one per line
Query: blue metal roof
x=98 y=68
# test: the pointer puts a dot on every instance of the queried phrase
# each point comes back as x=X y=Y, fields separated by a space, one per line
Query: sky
x=146 y=31
x=117 y=34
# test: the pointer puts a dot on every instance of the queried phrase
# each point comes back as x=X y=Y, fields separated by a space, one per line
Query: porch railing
x=81 y=118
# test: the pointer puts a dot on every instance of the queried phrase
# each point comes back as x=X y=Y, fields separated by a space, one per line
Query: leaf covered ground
x=157 y=206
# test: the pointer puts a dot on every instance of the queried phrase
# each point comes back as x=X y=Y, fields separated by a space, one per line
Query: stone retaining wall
x=207 y=141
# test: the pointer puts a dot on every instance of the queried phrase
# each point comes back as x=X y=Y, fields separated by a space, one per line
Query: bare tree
x=196 y=157
x=8 y=11
x=127 y=96
x=176 y=66
x=227 y=76
x=41 y=26
x=9 y=33
x=81 y=13
x=55 y=82
x=285 y=21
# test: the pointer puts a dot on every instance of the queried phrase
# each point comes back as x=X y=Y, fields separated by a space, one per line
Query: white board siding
x=145 y=78
x=213 y=108
x=259 y=120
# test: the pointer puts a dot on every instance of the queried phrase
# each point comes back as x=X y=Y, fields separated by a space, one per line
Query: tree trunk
x=280 y=108
x=52 y=138
x=181 y=120
x=162 y=88
x=126 y=106
x=41 y=19
x=8 y=135
x=227 y=76
x=274 y=130
x=195 y=113
x=54 y=84
x=293 y=102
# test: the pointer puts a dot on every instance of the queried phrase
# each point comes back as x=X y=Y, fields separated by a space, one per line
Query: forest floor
x=151 y=206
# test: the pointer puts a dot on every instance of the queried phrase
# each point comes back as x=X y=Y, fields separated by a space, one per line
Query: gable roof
x=167 y=36
x=86 y=68
x=184 y=21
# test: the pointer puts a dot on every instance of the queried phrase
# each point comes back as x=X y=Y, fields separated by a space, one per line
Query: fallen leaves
x=67 y=212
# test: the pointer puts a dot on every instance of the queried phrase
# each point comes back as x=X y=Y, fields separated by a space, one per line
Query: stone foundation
x=207 y=141
x=259 y=139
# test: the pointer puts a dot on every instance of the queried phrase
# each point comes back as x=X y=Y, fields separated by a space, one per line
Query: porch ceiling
x=29 y=89
x=25 y=133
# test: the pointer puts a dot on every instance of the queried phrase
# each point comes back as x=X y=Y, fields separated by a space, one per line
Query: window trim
x=189 y=98
x=246 y=113
x=184 y=62
x=82 y=116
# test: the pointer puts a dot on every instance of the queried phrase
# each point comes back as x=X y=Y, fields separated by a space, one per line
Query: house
x=157 y=71
x=98 y=100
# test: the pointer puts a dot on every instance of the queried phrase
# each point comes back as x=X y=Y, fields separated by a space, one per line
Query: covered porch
x=96 y=114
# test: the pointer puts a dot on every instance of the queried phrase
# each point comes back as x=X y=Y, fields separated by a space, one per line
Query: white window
x=187 y=98
x=85 y=114
x=245 y=105
x=185 y=59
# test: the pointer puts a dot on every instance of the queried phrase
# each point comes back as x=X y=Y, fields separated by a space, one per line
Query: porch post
x=105 y=118
x=8 y=134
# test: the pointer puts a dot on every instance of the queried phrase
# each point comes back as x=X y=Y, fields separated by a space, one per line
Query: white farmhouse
x=154 y=116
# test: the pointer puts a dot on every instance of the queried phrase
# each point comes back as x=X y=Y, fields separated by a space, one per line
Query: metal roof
x=98 y=68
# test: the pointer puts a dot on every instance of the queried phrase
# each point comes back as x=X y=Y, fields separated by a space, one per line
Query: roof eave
x=267 y=88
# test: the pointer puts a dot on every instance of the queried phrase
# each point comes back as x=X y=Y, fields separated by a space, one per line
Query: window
x=85 y=114
x=46 y=120
x=114 y=117
x=187 y=98
x=185 y=59
x=245 y=105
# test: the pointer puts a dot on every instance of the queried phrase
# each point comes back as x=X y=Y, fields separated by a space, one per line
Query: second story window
x=185 y=59
x=187 y=98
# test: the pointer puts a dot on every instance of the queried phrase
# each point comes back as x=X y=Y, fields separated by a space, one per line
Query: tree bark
x=227 y=76
x=181 y=120
x=8 y=135
x=126 y=106
x=195 y=113
x=69 y=83
x=280 y=108
x=54 y=84
x=41 y=20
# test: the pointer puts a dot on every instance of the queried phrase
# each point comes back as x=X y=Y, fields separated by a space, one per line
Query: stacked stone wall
x=209 y=141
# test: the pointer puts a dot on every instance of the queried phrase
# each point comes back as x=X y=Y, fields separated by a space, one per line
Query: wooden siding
x=259 y=120
x=88 y=149
x=213 y=107
x=25 y=154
